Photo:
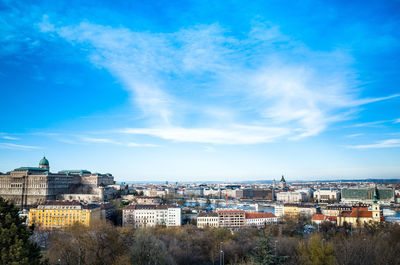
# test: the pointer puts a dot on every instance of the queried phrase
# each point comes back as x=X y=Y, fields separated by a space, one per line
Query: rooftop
x=149 y=207
x=318 y=217
x=30 y=169
x=44 y=162
x=259 y=215
x=75 y=171
x=207 y=214
x=61 y=203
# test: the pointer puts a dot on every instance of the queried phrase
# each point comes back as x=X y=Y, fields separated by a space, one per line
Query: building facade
x=335 y=210
x=256 y=194
x=291 y=210
x=291 y=197
x=147 y=200
x=60 y=215
x=279 y=209
x=326 y=195
x=151 y=215
x=307 y=210
x=260 y=219
x=231 y=219
x=207 y=220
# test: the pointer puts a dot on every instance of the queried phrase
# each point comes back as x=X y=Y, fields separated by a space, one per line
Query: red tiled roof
x=259 y=215
x=346 y=213
x=318 y=217
x=331 y=218
x=356 y=212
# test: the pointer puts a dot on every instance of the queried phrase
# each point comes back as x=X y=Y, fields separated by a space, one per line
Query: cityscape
x=199 y=132
x=57 y=202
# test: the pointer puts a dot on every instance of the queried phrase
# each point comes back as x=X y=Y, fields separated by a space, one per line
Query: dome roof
x=44 y=162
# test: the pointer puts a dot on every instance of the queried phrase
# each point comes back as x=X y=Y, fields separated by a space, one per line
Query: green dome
x=44 y=162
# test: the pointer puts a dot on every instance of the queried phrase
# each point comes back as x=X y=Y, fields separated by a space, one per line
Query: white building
x=207 y=220
x=326 y=195
x=211 y=192
x=154 y=192
x=308 y=210
x=260 y=219
x=151 y=215
x=291 y=197
x=279 y=209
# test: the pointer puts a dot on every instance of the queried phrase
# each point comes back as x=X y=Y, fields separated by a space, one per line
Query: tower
x=44 y=163
x=376 y=210
x=282 y=183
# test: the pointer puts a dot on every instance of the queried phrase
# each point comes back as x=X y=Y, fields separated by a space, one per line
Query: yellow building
x=59 y=215
x=291 y=210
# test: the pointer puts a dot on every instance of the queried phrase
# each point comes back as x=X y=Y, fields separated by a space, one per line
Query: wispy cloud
x=17 y=146
x=115 y=142
x=97 y=140
x=131 y=144
x=370 y=124
x=390 y=143
x=9 y=137
x=375 y=123
x=354 y=135
x=270 y=84
x=237 y=134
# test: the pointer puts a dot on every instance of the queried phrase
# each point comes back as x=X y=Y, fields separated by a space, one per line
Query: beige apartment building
x=207 y=220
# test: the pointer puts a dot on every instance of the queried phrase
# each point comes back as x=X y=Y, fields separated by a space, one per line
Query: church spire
x=375 y=196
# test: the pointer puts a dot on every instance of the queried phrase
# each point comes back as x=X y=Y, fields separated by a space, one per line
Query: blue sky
x=202 y=90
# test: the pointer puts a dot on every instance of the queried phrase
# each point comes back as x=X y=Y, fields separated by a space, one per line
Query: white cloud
x=115 y=142
x=391 y=143
x=354 y=135
x=375 y=123
x=17 y=146
x=9 y=137
x=273 y=84
x=131 y=144
x=236 y=134
x=372 y=100
x=97 y=140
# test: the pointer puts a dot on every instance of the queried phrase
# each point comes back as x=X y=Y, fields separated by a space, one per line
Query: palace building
x=27 y=186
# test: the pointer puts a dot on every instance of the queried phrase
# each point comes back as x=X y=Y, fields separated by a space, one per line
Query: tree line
x=104 y=243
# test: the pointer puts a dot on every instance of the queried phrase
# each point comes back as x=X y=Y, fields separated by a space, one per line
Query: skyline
x=185 y=89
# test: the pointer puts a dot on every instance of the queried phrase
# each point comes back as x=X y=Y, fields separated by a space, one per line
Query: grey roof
x=208 y=214
x=75 y=171
x=30 y=169
x=366 y=193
